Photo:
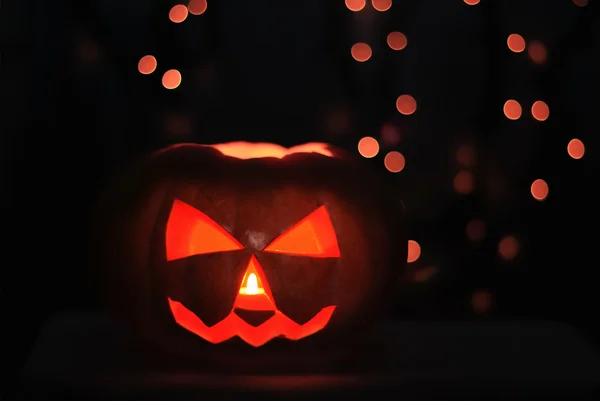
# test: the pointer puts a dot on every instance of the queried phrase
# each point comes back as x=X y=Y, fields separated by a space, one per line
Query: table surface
x=83 y=355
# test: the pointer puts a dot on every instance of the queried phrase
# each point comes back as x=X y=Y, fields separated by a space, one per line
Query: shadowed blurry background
x=486 y=113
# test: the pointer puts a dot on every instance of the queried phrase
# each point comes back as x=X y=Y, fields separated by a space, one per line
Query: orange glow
x=508 y=247
x=247 y=150
x=475 y=230
x=465 y=155
x=171 y=79
x=197 y=7
x=390 y=135
x=313 y=236
x=414 y=251
x=515 y=43
x=252 y=286
x=397 y=40
x=406 y=104
x=540 y=111
x=481 y=301
x=233 y=325
x=539 y=189
x=580 y=3
x=576 y=149
x=254 y=293
x=512 y=109
x=463 y=182
x=356 y=5
x=361 y=52
x=537 y=52
x=382 y=5
x=147 y=65
x=471 y=2
x=178 y=13
x=424 y=274
x=191 y=232
x=394 y=162
x=368 y=147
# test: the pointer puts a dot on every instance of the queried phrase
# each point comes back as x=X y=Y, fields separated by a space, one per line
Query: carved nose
x=254 y=317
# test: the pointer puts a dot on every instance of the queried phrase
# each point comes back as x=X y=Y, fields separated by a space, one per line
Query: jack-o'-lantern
x=208 y=244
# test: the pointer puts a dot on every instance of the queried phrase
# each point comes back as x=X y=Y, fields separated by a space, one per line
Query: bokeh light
x=178 y=13
x=512 y=109
x=424 y=274
x=197 y=7
x=471 y=2
x=466 y=155
x=361 y=52
x=414 y=251
x=463 y=182
x=540 y=111
x=580 y=3
x=539 y=189
x=481 y=301
x=575 y=148
x=147 y=65
x=171 y=79
x=356 y=5
x=508 y=247
x=368 y=147
x=394 y=162
x=406 y=104
x=537 y=52
x=397 y=40
x=515 y=42
x=390 y=135
x=382 y=5
x=475 y=230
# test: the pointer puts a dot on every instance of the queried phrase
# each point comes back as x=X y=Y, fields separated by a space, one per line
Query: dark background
x=76 y=111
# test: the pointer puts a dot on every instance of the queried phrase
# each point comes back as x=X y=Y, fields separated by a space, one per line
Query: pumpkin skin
x=160 y=246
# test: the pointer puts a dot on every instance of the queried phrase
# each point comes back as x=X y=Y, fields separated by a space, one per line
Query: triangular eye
x=191 y=232
x=312 y=236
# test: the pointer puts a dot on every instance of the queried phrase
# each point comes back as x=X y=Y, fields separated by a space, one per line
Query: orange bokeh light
x=147 y=65
x=382 y=5
x=508 y=247
x=515 y=42
x=356 y=5
x=540 y=111
x=414 y=251
x=406 y=104
x=178 y=13
x=481 y=300
x=397 y=40
x=539 y=189
x=537 y=52
x=361 y=52
x=368 y=147
x=171 y=79
x=466 y=155
x=576 y=148
x=197 y=7
x=463 y=182
x=424 y=274
x=512 y=109
x=580 y=3
x=475 y=230
x=394 y=162
x=471 y=2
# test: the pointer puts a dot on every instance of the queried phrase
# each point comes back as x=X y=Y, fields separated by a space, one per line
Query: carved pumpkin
x=249 y=241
